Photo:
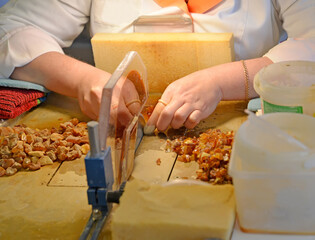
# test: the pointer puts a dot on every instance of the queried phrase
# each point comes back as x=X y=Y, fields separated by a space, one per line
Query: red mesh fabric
x=15 y=101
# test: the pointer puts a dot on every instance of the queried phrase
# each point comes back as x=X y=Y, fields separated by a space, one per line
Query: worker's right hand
x=68 y=76
x=90 y=93
x=125 y=102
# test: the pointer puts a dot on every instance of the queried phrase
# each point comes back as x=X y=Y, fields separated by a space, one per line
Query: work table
x=52 y=203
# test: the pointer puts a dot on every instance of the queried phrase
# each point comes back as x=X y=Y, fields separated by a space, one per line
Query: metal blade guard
x=114 y=138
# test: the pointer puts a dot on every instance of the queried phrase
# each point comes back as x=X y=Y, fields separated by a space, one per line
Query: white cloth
x=33 y=27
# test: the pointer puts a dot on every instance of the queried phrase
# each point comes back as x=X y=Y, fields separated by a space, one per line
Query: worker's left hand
x=187 y=101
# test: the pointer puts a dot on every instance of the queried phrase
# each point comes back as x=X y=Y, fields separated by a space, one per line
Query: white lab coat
x=29 y=28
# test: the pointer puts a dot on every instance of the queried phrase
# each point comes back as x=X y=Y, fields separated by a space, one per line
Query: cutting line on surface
x=172 y=168
x=67 y=186
x=54 y=174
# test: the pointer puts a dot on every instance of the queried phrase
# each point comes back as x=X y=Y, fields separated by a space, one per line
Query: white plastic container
x=257 y=149
x=287 y=87
x=274 y=191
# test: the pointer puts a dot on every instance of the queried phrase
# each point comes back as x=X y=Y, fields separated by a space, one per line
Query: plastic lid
x=287 y=83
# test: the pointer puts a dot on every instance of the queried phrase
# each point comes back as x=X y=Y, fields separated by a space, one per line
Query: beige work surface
x=52 y=203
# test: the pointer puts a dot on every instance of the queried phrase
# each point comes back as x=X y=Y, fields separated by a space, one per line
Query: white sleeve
x=297 y=17
x=31 y=28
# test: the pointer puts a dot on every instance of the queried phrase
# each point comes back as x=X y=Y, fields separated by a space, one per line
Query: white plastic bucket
x=275 y=203
x=287 y=87
x=274 y=191
x=259 y=150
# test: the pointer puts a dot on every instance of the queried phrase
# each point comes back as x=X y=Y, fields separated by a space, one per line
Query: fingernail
x=148 y=129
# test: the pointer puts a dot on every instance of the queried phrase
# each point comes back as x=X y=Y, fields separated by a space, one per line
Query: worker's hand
x=125 y=102
x=68 y=76
x=90 y=93
x=125 y=99
x=186 y=101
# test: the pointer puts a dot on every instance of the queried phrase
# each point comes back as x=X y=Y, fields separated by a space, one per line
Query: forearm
x=231 y=78
x=60 y=73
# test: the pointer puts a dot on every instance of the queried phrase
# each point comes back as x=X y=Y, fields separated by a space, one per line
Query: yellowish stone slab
x=152 y=163
x=31 y=207
x=70 y=174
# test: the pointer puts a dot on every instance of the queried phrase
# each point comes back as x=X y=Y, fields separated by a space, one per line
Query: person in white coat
x=33 y=33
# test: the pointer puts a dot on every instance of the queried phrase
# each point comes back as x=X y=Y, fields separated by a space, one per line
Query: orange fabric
x=193 y=6
x=201 y=6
